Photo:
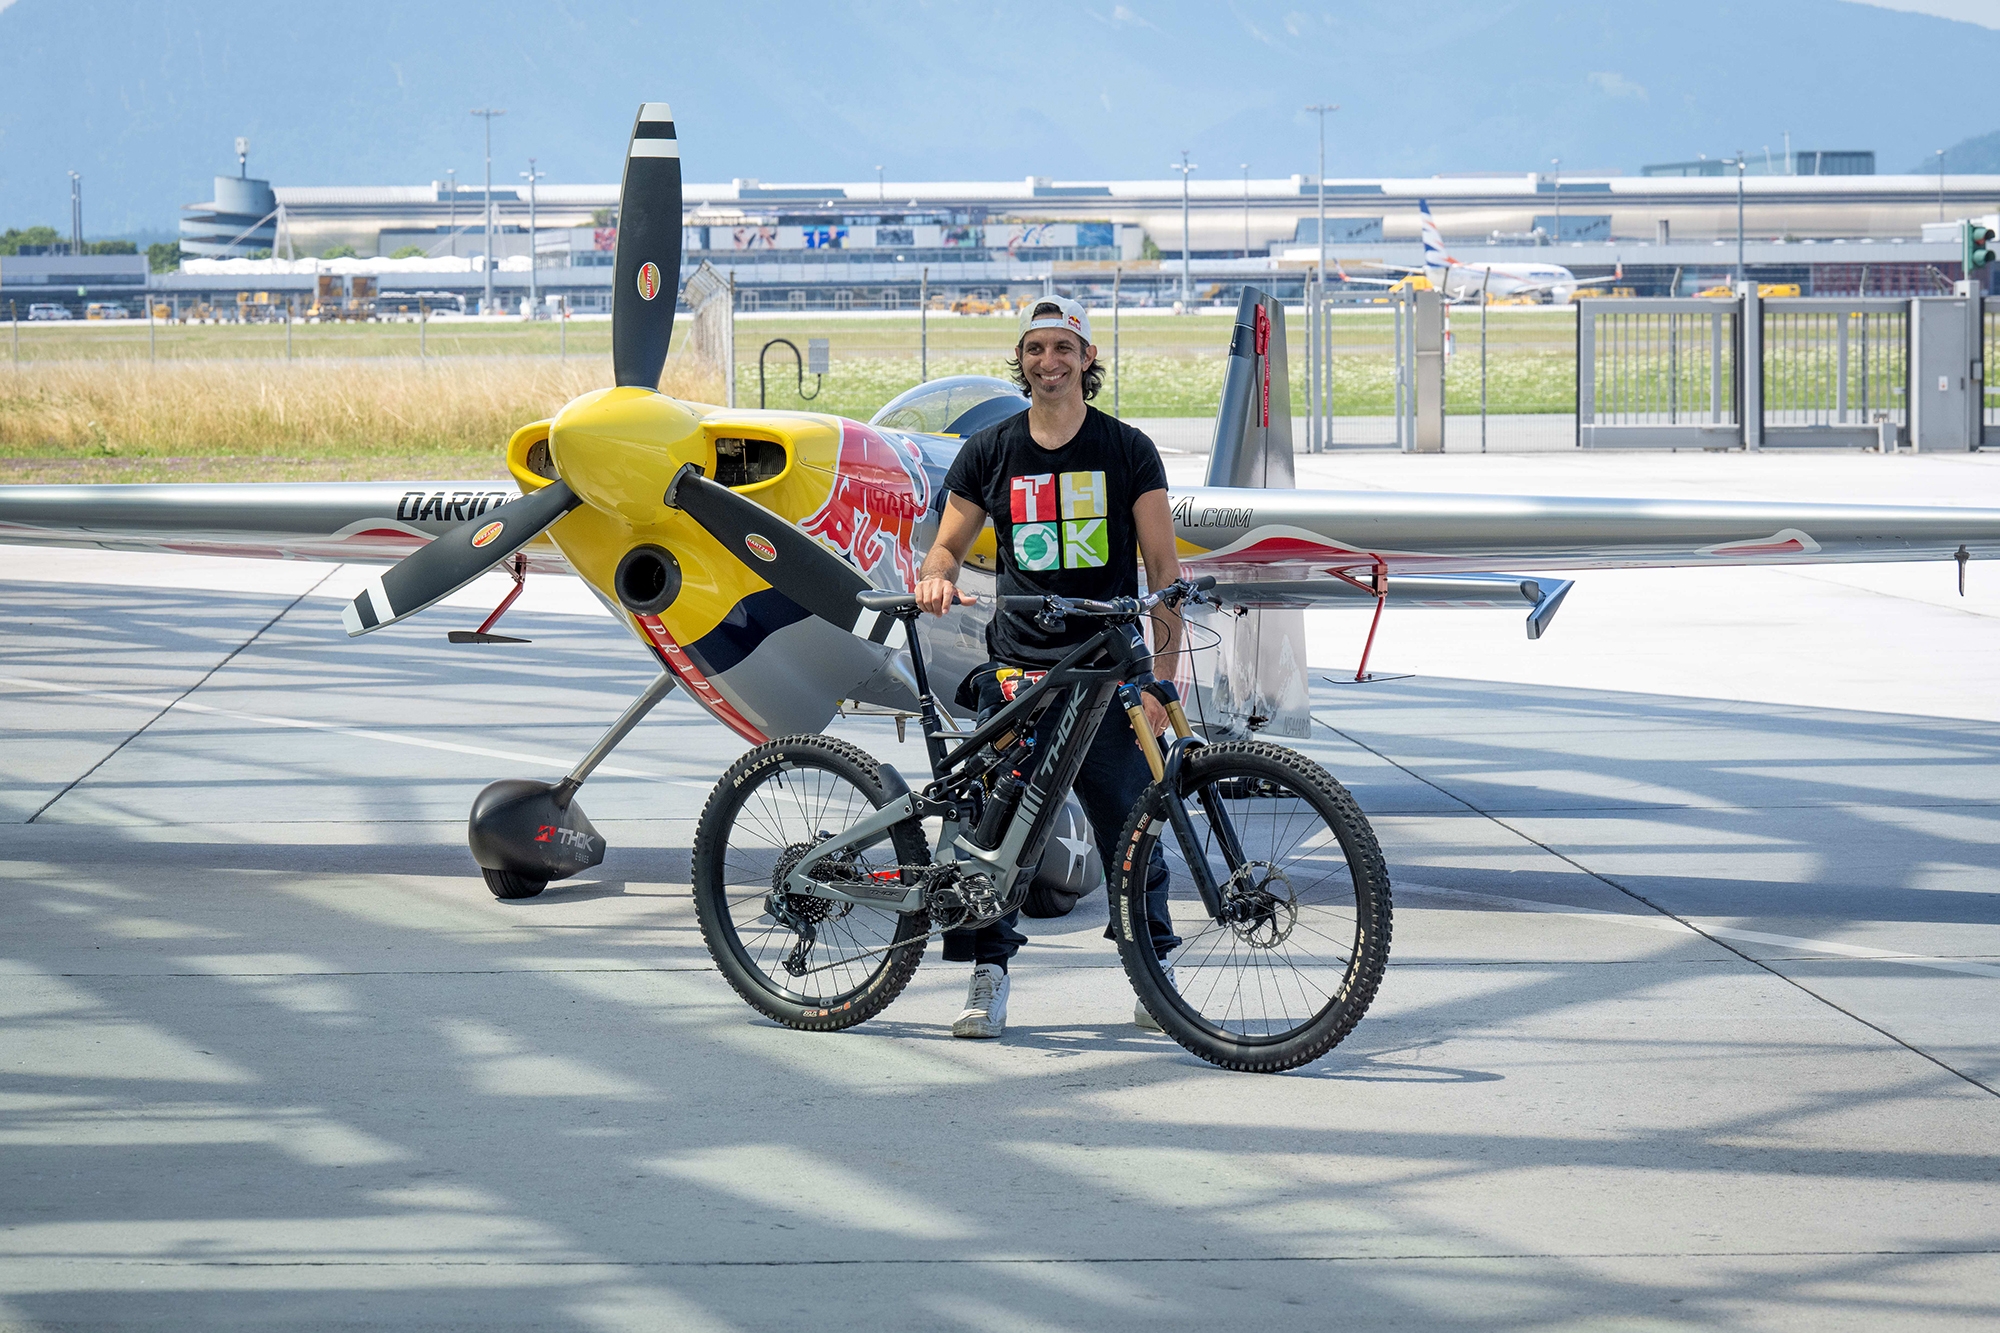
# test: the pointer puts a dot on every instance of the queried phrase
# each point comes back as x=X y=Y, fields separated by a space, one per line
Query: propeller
x=648 y=275
x=456 y=559
x=771 y=547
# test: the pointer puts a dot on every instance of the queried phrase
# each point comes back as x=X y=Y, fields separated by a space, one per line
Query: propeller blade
x=456 y=559
x=646 y=277
x=771 y=548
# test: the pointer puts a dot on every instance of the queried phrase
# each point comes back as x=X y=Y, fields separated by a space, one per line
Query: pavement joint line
x=1893 y=596
x=1548 y=812
x=1440 y=1256
x=302 y=724
x=413 y=972
x=165 y=709
x=1636 y=896
x=1673 y=925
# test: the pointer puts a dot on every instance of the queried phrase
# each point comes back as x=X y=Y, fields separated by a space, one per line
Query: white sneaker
x=985 y=1004
x=1142 y=1016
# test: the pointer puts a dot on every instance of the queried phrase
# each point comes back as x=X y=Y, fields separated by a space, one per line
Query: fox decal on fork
x=817 y=889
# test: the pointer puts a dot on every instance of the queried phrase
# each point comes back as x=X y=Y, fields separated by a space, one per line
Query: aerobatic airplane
x=730 y=543
x=1479 y=280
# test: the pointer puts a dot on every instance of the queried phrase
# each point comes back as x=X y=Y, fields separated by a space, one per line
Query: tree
x=110 y=248
x=342 y=251
x=1147 y=249
x=13 y=238
x=164 y=256
x=409 y=252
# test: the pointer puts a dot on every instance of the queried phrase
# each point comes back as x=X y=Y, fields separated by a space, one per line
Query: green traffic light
x=1978 y=247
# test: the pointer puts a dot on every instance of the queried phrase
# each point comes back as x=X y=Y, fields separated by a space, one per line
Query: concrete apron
x=1687 y=1018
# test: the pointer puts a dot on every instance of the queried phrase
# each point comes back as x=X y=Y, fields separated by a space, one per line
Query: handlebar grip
x=1204 y=583
x=1014 y=602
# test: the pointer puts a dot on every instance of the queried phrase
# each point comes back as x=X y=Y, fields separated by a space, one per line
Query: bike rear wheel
x=818 y=964
x=1297 y=959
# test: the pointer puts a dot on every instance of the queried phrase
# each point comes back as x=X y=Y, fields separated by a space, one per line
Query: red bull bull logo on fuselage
x=879 y=493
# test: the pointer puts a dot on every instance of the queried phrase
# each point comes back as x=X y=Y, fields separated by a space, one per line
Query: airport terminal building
x=889 y=244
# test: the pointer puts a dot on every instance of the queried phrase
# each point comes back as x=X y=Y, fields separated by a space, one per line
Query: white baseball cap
x=1066 y=314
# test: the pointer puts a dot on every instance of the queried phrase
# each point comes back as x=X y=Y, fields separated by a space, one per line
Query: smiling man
x=1077 y=499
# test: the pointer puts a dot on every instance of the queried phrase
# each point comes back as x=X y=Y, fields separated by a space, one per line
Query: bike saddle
x=877 y=599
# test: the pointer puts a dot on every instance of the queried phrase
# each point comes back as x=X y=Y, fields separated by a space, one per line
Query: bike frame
x=1121 y=667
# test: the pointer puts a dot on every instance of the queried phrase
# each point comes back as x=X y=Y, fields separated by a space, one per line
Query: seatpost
x=926 y=705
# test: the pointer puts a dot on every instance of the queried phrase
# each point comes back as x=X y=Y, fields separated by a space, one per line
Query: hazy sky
x=1986 y=13
x=145 y=97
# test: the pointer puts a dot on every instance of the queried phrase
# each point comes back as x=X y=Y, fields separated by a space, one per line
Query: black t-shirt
x=1062 y=519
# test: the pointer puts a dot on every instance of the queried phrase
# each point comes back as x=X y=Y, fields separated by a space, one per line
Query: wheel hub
x=796 y=909
x=1260 y=905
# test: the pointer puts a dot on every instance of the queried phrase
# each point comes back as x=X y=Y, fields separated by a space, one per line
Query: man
x=1077 y=499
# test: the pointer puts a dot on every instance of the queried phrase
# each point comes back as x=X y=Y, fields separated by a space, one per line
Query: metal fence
x=1989 y=345
x=1657 y=373
x=1834 y=370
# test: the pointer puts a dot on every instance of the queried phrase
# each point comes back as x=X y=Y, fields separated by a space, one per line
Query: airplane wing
x=351 y=522
x=1261 y=536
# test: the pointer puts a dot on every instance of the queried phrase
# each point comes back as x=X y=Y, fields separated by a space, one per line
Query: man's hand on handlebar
x=936 y=594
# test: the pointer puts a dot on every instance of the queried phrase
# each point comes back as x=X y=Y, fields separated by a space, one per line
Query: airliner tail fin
x=1435 y=258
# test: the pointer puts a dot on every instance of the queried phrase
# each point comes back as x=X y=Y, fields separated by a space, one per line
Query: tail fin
x=1436 y=261
x=1253 y=429
x=1255 y=679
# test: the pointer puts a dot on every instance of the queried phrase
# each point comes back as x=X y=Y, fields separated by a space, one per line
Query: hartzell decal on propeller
x=734 y=541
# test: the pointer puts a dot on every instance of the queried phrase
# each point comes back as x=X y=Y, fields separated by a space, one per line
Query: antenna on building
x=242 y=158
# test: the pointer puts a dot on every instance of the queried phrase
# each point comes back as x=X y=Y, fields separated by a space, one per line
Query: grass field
x=356 y=401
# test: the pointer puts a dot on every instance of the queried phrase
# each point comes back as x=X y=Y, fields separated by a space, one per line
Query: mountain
x=1978 y=156
x=144 y=97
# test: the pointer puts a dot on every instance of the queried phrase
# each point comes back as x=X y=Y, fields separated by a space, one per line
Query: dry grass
x=379 y=418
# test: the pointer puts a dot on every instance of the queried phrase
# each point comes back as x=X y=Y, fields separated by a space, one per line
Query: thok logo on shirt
x=1059 y=521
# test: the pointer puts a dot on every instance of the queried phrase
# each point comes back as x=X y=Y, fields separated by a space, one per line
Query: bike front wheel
x=1302 y=939
x=819 y=964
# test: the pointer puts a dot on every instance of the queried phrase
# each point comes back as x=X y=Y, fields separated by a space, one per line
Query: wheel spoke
x=1286 y=951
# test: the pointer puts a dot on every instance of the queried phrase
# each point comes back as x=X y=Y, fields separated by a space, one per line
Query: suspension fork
x=1166 y=773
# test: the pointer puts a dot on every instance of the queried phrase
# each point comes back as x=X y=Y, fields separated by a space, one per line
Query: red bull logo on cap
x=879 y=493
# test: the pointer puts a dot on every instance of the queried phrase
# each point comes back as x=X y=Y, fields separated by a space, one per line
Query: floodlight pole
x=1739 y=217
x=487 y=114
x=1117 y=280
x=451 y=227
x=75 y=214
x=534 y=292
x=1316 y=304
x=1186 y=169
x=1557 y=187
x=1940 y=158
x=1246 y=210
x=880 y=196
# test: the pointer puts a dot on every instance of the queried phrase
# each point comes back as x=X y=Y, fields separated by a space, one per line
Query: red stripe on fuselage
x=690 y=675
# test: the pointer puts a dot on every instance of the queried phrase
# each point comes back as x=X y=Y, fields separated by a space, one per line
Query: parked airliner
x=1461 y=281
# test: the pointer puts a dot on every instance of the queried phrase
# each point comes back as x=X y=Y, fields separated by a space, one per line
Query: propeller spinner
x=647 y=284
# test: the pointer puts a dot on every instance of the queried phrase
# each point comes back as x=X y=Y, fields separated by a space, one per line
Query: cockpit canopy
x=956 y=405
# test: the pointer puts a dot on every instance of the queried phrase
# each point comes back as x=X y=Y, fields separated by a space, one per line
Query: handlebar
x=1180 y=590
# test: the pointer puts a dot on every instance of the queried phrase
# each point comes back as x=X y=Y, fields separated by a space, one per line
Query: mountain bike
x=817 y=889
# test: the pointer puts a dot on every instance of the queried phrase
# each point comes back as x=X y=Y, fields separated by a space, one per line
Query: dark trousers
x=1113 y=776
